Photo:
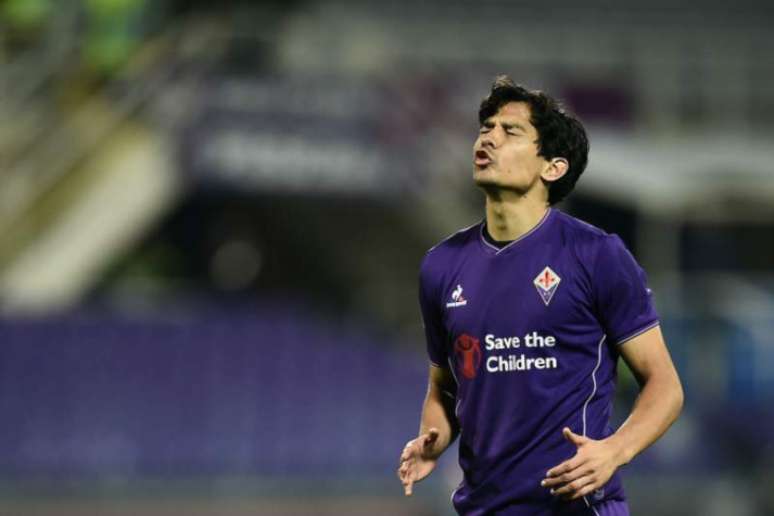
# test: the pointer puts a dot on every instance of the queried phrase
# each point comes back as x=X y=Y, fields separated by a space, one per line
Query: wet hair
x=560 y=134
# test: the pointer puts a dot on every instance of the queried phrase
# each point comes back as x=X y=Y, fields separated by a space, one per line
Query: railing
x=68 y=139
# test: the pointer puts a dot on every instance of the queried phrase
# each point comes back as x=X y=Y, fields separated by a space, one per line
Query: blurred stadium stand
x=211 y=220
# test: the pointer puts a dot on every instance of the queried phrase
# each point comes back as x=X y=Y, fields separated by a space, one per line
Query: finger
x=408 y=451
x=585 y=490
x=574 y=438
x=566 y=478
x=408 y=487
x=406 y=475
x=571 y=488
x=407 y=465
x=566 y=466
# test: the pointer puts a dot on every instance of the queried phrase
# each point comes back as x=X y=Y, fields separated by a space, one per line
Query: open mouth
x=482 y=159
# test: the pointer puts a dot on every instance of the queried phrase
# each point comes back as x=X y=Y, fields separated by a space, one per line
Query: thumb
x=574 y=438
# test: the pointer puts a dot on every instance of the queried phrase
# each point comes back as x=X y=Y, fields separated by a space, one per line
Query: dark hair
x=560 y=135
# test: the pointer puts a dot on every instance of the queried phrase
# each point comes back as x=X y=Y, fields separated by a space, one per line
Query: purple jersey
x=531 y=333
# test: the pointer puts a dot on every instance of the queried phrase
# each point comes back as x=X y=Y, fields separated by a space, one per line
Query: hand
x=591 y=467
x=417 y=459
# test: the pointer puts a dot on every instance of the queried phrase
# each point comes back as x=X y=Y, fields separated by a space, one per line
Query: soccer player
x=525 y=315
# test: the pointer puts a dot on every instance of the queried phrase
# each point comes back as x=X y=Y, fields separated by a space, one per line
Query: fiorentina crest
x=546 y=284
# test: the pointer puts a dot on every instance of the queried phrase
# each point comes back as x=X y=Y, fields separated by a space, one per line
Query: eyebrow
x=506 y=125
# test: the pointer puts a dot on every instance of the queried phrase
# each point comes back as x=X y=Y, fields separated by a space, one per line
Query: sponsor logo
x=457 y=298
x=546 y=284
x=533 y=351
x=469 y=350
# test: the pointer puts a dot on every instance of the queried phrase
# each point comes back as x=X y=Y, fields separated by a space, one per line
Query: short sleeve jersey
x=531 y=332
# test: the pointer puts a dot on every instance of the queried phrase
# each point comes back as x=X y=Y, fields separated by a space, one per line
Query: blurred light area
x=212 y=217
x=132 y=187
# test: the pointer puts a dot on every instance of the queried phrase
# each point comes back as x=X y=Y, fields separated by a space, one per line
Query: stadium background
x=211 y=220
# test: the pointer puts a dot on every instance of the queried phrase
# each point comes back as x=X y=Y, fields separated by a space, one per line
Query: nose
x=490 y=139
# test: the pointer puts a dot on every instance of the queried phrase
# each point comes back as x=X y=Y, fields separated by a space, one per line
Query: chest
x=511 y=296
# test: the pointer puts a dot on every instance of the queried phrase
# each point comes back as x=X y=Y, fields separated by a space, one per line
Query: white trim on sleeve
x=637 y=333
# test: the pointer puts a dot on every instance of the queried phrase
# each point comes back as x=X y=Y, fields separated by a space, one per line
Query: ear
x=555 y=169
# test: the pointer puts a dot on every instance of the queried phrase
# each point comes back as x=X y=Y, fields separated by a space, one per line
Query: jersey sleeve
x=435 y=335
x=623 y=301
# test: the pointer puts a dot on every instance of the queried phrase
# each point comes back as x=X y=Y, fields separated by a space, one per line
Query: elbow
x=670 y=394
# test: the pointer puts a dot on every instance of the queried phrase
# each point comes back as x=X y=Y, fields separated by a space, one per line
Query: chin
x=495 y=187
x=481 y=178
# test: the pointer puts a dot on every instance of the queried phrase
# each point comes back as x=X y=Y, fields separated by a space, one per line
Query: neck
x=510 y=215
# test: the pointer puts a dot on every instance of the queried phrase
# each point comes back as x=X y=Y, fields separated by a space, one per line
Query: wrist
x=433 y=450
x=436 y=450
x=622 y=454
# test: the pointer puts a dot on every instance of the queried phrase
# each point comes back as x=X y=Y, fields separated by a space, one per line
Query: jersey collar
x=498 y=250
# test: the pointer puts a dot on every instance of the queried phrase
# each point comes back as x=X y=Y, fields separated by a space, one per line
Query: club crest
x=546 y=284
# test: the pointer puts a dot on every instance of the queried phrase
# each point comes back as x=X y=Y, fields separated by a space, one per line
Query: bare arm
x=656 y=408
x=438 y=408
x=661 y=394
x=437 y=429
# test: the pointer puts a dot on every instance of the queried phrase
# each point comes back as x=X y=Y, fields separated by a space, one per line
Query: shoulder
x=582 y=233
x=579 y=229
x=453 y=244
x=446 y=252
x=457 y=240
x=588 y=242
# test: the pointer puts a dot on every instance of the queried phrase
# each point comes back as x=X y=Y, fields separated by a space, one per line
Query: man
x=525 y=317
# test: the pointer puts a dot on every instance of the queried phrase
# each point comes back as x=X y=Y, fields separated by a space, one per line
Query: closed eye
x=513 y=129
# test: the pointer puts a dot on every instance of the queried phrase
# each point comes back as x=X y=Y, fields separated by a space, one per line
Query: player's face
x=505 y=154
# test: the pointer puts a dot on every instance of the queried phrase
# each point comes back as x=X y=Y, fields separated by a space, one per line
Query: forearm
x=438 y=413
x=656 y=408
